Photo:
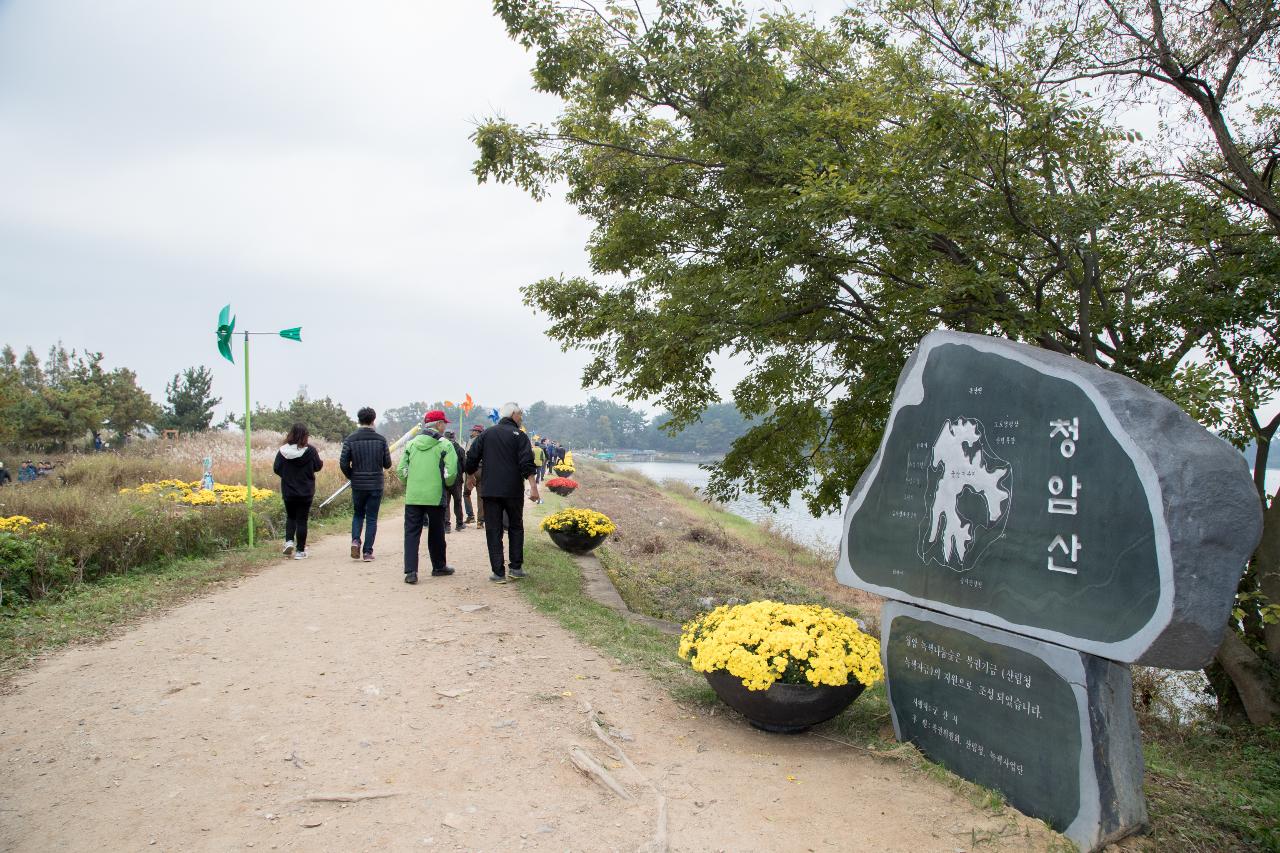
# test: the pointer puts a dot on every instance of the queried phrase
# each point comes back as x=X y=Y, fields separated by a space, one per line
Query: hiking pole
x=417 y=428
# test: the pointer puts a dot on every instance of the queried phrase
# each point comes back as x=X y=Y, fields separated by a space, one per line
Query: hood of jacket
x=425 y=440
x=292 y=451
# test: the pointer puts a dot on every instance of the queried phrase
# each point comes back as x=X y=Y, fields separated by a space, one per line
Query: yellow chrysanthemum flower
x=766 y=641
x=588 y=522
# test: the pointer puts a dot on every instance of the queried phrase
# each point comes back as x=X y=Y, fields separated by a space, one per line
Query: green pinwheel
x=226 y=328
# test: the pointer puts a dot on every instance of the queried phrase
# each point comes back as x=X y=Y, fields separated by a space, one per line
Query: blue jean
x=365 y=505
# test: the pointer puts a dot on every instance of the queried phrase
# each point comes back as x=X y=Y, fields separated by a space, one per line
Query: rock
x=1024 y=489
x=311 y=823
x=471 y=608
x=1051 y=728
x=452 y=821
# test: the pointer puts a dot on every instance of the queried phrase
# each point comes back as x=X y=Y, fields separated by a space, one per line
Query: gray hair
x=509 y=409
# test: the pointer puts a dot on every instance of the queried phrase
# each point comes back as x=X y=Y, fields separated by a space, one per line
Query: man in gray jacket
x=365 y=455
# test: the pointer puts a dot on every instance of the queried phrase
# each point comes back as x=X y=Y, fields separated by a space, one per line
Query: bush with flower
x=564 y=469
x=765 y=642
x=583 y=522
x=190 y=493
x=21 y=525
x=561 y=485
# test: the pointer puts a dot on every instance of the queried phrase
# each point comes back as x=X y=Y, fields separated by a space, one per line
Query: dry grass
x=675 y=556
x=96 y=532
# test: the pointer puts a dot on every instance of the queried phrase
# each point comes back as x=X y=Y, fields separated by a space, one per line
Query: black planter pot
x=786 y=708
x=576 y=543
x=562 y=491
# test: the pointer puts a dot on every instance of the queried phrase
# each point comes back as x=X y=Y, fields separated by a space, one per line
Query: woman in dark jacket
x=297 y=463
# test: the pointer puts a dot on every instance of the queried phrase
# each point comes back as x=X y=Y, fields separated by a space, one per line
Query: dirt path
x=208 y=727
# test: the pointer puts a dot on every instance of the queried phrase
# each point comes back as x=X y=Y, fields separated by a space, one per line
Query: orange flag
x=467 y=405
x=448 y=404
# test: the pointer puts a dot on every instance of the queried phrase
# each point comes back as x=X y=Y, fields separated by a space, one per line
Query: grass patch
x=88 y=612
x=1211 y=788
x=554 y=586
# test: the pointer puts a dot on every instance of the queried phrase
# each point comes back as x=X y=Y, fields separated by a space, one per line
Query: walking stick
x=392 y=449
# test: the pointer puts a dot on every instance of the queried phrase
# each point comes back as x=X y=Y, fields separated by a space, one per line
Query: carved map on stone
x=967 y=497
x=1030 y=491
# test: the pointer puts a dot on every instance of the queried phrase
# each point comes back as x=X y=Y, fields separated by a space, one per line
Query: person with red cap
x=427 y=469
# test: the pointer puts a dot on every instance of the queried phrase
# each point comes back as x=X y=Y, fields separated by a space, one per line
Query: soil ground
x=216 y=725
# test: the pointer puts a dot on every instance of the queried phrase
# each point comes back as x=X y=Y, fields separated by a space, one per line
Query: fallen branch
x=584 y=762
x=347 y=798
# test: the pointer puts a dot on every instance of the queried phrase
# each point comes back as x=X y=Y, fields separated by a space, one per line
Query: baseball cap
x=477 y=428
x=434 y=415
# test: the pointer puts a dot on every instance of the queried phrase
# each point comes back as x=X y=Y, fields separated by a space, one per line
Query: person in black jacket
x=296 y=464
x=507 y=456
x=365 y=456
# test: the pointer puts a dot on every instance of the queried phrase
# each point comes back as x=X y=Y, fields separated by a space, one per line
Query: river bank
x=794 y=520
x=1209 y=787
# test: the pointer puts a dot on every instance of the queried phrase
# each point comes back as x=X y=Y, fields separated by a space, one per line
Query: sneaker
x=411 y=577
x=368 y=558
x=498 y=578
x=301 y=555
x=516 y=574
x=355 y=549
x=479 y=525
x=448 y=529
x=288 y=548
x=441 y=573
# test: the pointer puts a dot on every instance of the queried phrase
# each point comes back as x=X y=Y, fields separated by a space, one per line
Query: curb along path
x=324 y=704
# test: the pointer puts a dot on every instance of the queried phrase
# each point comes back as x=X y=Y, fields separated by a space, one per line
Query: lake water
x=824 y=531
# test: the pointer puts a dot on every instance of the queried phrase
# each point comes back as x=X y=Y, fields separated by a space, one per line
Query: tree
x=813 y=200
x=324 y=418
x=127 y=408
x=190 y=403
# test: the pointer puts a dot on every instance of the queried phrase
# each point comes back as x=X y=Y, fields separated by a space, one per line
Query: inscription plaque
x=1051 y=728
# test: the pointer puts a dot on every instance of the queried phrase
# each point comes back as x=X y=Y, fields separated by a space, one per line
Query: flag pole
x=248 y=442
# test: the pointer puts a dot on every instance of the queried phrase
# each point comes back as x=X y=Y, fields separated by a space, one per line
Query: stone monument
x=1040 y=523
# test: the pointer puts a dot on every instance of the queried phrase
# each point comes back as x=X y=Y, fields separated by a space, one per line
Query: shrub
x=29 y=568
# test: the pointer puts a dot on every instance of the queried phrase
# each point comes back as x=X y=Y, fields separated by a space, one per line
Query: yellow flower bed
x=20 y=524
x=765 y=641
x=191 y=494
x=588 y=522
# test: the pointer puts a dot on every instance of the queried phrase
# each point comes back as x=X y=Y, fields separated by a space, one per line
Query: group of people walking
x=439 y=475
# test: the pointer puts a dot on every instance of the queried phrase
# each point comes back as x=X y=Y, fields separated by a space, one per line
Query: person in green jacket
x=427 y=468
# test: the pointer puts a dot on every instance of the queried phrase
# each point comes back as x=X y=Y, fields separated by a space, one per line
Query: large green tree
x=190 y=401
x=814 y=199
x=68 y=398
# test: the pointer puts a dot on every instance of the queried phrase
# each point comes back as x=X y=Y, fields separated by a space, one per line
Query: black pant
x=493 y=511
x=365 y=505
x=453 y=497
x=296 y=513
x=415 y=515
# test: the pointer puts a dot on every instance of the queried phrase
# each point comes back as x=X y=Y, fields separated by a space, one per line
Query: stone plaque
x=1024 y=489
x=1051 y=728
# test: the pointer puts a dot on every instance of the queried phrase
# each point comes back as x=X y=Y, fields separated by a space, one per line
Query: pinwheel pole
x=226 y=328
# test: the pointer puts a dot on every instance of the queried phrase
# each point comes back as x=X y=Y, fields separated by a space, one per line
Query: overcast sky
x=306 y=162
